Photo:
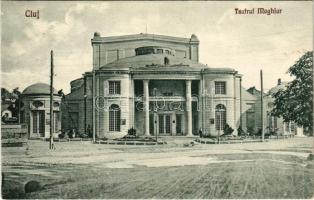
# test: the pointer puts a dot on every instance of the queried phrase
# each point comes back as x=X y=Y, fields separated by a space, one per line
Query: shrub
x=32 y=186
x=71 y=133
x=132 y=132
x=240 y=131
x=259 y=132
x=61 y=135
x=250 y=130
x=82 y=135
x=228 y=130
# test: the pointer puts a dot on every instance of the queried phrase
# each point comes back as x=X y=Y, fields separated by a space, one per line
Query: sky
x=247 y=43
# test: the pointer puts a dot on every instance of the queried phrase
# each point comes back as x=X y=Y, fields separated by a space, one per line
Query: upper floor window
x=251 y=107
x=220 y=87
x=114 y=87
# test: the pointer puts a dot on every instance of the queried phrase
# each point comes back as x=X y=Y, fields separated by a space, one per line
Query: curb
x=130 y=143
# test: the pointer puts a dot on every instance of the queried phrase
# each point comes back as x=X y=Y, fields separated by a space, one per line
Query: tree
x=5 y=94
x=11 y=98
x=295 y=102
x=16 y=96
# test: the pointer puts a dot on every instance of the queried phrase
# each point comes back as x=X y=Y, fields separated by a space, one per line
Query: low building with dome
x=156 y=85
x=35 y=110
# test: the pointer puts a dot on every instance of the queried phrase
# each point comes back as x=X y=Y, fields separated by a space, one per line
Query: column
x=188 y=108
x=30 y=123
x=200 y=106
x=146 y=107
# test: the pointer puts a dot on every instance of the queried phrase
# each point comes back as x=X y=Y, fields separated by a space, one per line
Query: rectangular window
x=275 y=122
x=251 y=107
x=287 y=126
x=22 y=117
x=292 y=126
x=114 y=87
x=35 y=122
x=220 y=87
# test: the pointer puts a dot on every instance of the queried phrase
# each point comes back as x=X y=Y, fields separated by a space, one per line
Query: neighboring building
x=250 y=116
x=254 y=116
x=271 y=123
x=155 y=84
x=277 y=124
x=8 y=109
x=35 y=110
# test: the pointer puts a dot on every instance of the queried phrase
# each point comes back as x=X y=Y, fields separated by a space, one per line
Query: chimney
x=279 y=81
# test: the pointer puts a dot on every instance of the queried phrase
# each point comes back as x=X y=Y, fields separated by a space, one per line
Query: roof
x=247 y=96
x=156 y=62
x=38 y=88
x=275 y=89
x=143 y=36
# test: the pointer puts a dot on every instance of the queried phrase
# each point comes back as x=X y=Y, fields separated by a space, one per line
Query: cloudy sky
x=247 y=43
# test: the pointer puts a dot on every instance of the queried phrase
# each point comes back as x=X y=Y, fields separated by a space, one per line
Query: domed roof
x=38 y=88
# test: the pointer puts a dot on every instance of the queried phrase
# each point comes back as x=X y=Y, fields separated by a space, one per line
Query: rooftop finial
x=96 y=34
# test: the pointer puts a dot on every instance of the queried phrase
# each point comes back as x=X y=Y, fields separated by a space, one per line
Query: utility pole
x=51 y=145
x=240 y=103
x=262 y=105
x=311 y=156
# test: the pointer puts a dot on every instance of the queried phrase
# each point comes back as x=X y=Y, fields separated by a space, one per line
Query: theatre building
x=155 y=84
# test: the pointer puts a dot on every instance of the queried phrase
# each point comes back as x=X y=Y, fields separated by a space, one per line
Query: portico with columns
x=169 y=112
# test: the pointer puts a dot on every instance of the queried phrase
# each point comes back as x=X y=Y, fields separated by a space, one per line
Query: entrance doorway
x=38 y=117
x=164 y=124
x=179 y=124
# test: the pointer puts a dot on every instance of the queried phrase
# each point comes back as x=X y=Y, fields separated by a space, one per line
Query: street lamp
x=155 y=113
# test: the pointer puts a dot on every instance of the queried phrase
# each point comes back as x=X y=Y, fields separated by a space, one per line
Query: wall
x=122 y=100
x=212 y=100
x=106 y=52
x=28 y=108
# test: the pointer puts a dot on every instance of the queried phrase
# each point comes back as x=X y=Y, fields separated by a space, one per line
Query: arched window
x=114 y=118
x=220 y=117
